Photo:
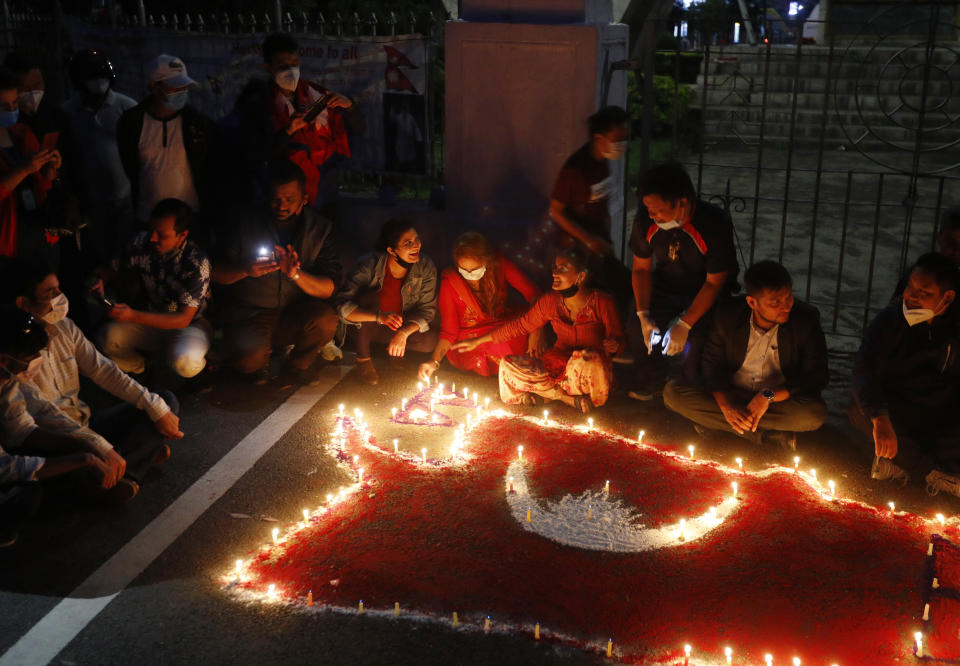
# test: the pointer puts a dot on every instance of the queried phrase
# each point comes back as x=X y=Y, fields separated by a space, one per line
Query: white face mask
x=475 y=274
x=917 y=315
x=60 y=308
x=288 y=78
x=30 y=100
x=617 y=150
x=670 y=224
x=97 y=86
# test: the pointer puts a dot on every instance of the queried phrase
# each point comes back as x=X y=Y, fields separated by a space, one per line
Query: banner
x=385 y=76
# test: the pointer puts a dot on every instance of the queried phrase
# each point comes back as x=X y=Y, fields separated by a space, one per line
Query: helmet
x=89 y=64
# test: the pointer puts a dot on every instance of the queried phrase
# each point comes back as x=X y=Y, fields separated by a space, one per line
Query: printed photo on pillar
x=404 y=132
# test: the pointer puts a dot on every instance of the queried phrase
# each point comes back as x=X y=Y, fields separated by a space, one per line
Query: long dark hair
x=493 y=297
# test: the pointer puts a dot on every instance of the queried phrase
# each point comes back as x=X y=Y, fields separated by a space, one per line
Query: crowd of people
x=132 y=233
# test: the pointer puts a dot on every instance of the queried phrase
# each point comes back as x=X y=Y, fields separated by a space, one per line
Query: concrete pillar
x=522 y=76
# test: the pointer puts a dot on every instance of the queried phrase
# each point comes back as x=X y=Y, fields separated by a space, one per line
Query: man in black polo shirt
x=580 y=199
x=282 y=268
x=683 y=260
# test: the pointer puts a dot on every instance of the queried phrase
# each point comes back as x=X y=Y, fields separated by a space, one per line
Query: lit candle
x=360 y=475
x=310 y=598
x=687 y=649
x=271 y=590
x=640 y=436
x=396 y=608
x=796 y=464
x=536 y=631
x=306 y=515
x=590 y=512
x=403 y=404
x=546 y=416
x=690 y=448
x=341 y=409
x=393 y=412
x=453 y=388
x=511 y=484
x=734 y=486
x=796 y=661
x=419 y=387
x=276 y=533
x=440 y=389
x=926 y=612
x=683 y=527
x=609 y=647
x=590 y=423
x=768 y=658
x=239 y=568
x=918 y=637
x=606 y=486
x=713 y=513
x=431 y=404
x=520 y=452
x=466 y=393
x=893 y=507
x=456 y=620
x=486 y=625
x=329 y=498
x=423 y=452
x=356 y=412
x=476 y=399
x=813 y=473
x=360 y=608
x=529 y=519
x=941 y=519
x=486 y=403
x=729 y=654
x=396 y=445
x=740 y=464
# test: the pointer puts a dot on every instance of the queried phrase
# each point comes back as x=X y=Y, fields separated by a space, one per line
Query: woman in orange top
x=473 y=301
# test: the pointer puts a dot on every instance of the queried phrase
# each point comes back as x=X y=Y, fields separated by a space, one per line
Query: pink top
x=596 y=322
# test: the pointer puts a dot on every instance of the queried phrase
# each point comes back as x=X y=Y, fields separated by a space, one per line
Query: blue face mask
x=9 y=118
x=176 y=100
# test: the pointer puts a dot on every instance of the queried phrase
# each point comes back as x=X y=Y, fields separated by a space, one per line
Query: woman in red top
x=578 y=369
x=20 y=158
x=473 y=301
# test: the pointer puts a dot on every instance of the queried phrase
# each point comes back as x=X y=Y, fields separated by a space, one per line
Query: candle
x=740 y=464
x=486 y=403
x=609 y=647
x=713 y=513
x=271 y=590
x=529 y=520
x=456 y=620
x=476 y=399
x=511 y=484
x=768 y=658
x=419 y=387
x=453 y=388
x=403 y=404
x=239 y=567
x=590 y=423
x=640 y=436
x=356 y=412
x=796 y=464
x=930 y=550
x=686 y=651
x=396 y=608
x=536 y=631
x=466 y=393
x=436 y=379
x=546 y=416
x=440 y=389
x=360 y=475
x=423 y=452
x=341 y=409
x=941 y=519
x=796 y=661
x=486 y=625
x=691 y=449
x=356 y=459
x=310 y=598
x=431 y=404
x=396 y=445
x=393 y=412
x=813 y=473
x=833 y=488
x=918 y=637
x=275 y=533
x=306 y=515
x=935 y=584
x=926 y=612
x=360 y=608
x=893 y=507
x=734 y=486
x=683 y=526
x=606 y=486
x=729 y=654
x=520 y=452
x=590 y=512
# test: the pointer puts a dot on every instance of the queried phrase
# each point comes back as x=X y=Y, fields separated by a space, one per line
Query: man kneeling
x=763 y=366
x=905 y=381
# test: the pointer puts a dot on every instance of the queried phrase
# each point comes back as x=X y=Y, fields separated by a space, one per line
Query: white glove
x=651 y=334
x=676 y=338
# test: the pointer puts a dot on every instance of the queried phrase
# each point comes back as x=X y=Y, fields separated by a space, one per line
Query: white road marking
x=68 y=618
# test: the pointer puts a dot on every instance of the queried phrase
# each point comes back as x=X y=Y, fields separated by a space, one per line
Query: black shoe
x=784 y=439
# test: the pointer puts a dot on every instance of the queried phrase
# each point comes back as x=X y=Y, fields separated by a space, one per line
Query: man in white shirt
x=137 y=427
x=763 y=366
x=166 y=145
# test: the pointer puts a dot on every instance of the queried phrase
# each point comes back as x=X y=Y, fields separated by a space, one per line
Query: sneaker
x=368 y=373
x=883 y=469
x=937 y=481
x=162 y=455
x=124 y=491
x=331 y=352
x=785 y=439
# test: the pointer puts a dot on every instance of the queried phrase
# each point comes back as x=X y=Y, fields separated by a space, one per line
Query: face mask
x=570 y=291
x=97 y=87
x=60 y=308
x=670 y=224
x=475 y=274
x=176 y=100
x=9 y=118
x=30 y=100
x=288 y=78
x=617 y=150
x=917 y=315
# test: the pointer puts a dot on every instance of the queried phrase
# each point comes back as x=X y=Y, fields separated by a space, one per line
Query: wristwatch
x=768 y=394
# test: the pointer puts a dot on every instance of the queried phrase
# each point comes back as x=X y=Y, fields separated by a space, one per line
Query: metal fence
x=835 y=158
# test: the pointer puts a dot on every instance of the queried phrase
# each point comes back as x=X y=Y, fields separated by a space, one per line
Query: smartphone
x=50 y=140
x=266 y=255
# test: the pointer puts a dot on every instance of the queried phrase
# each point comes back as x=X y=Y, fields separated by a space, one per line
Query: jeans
x=185 y=348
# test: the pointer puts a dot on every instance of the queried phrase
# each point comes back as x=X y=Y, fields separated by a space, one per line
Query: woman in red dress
x=578 y=369
x=473 y=302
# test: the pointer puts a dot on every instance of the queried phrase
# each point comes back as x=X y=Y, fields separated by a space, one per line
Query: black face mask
x=570 y=291
x=405 y=265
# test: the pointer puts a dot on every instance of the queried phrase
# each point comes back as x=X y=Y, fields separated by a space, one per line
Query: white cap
x=171 y=70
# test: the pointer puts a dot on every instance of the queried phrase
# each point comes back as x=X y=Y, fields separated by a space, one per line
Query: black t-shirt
x=583 y=186
x=682 y=257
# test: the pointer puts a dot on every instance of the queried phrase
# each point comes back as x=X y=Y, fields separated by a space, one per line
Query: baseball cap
x=171 y=70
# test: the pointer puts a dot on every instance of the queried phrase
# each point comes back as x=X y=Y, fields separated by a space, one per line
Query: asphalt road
x=145 y=575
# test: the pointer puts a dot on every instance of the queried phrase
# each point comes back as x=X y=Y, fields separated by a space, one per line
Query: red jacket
x=26 y=144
